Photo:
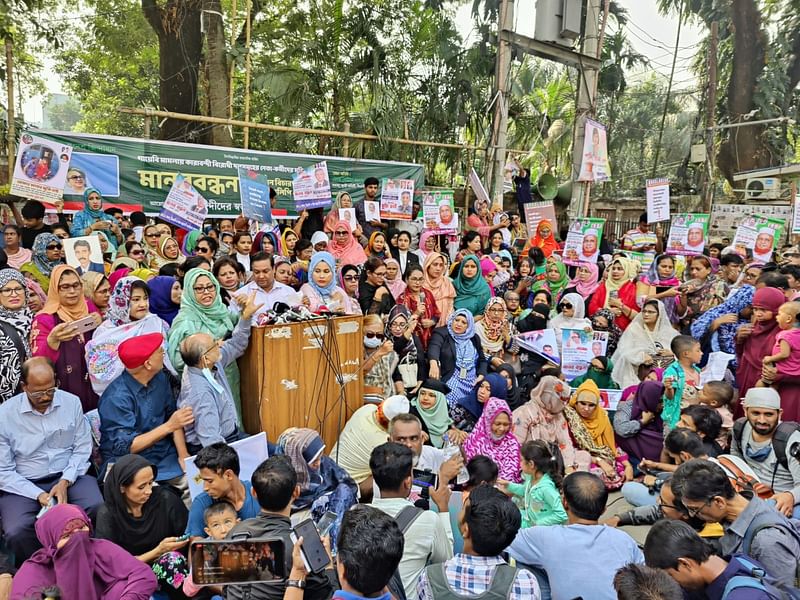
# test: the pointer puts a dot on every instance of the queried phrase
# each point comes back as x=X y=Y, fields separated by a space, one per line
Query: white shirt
x=278 y=293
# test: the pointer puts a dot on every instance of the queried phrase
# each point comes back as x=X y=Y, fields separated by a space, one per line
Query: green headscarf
x=556 y=287
x=472 y=293
x=603 y=380
x=437 y=419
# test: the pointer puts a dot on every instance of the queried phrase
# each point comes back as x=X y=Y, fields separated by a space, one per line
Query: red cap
x=135 y=351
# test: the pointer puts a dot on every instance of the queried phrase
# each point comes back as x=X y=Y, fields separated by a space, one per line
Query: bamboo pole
x=11 y=130
x=146 y=112
x=233 y=60
x=247 y=63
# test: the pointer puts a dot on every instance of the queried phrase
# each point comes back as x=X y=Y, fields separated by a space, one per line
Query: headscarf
x=551 y=395
x=303 y=446
x=648 y=397
x=123 y=261
x=36 y=289
x=498 y=389
x=119 y=305
x=143 y=273
x=598 y=424
x=504 y=451
x=549 y=244
x=588 y=288
x=761 y=339
x=630 y=269
x=397 y=311
x=556 y=287
x=319 y=237
x=348 y=252
x=488 y=266
x=190 y=242
x=284 y=246
x=466 y=355
x=98 y=213
x=258 y=243
x=371 y=245
x=21 y=318
x=327 y=258
x=437 y=419
x=649 y=440
x=397 y=286
x=332 y=217
x=53 y=305
x=215 y=320
x=614 y=332
x=115 y=276
x=602 y=379
x=490 y=328
x=653 y=278
x=542 y=417
x=161 y=303
x=423 y=238
x=44 y=264
x=513 y=396
x=85 y=568
x=577 y=321
x=112 y=248
x=472 y=293
x=442 y=288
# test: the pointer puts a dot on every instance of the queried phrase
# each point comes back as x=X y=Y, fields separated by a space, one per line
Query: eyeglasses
x=13 y=291
x=693 y=512
x=204 y=289
x=66 y=287
x=75 y=177
x=54 y=247
x=203 y=249
x=416 y=279
x=370 y=335
x=663 y=504
x=379 y=273
x=351 y=277
x=43 y=394
x=137 y=251
x=152 y=234
x=564 y=305
x=342 y=233
x=649 y=312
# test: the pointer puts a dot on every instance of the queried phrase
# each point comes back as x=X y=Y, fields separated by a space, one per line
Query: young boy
x=681 y=379
x=219 y=519
x=719 y=396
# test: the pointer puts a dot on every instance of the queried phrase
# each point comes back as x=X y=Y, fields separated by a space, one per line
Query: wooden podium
x=304 y=374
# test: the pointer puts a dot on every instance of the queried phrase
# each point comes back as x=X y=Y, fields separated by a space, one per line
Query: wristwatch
x=296 y=583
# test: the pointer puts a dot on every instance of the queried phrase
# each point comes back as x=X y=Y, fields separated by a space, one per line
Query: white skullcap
x=395 y=405
x=762 y=398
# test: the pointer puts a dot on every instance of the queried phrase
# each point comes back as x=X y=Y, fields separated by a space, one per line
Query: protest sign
x=576 y=352
x=583 y=241
x=84 y=254
x=95 y=171
x=349 y=215
x=510 y=171
x=482 y=196
x=542 y=342
x=657 y=191
x=41 y=169
x=438 y=210
x=687 y=235
x=311 y=187
x=372 y=210
x=759 y=234
x=796 y=205
x=254 y=195
x=725 y=218
x=184 y=206
x=252 y=452
x=535 y=212
x=397 y=199
x=594 y=161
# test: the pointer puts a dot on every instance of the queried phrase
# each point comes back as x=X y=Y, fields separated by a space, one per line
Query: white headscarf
x=578 y=321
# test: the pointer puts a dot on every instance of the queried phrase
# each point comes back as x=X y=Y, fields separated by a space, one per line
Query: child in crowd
x=719 y=396
x=681 y=379
x=786 y=352
x=543 y=471
x=219 y=518
x=707 y=423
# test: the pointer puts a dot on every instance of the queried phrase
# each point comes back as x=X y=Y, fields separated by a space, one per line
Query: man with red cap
x=138 y=412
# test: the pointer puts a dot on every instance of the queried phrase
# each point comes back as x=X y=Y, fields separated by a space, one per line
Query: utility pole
x=711 y=112
x=11 y=133
x=497 y=149
x=584 y=108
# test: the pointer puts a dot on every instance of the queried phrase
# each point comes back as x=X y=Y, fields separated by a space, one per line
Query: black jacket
x=411 y=259
x=442 y=348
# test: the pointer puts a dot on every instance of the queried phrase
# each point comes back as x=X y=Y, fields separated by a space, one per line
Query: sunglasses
x=137 y=251
x=370 y=335
x=203 y=249
x=340 y=233
x=351 y=277
x=54 y=247
x=152 y=234
x=564 y=305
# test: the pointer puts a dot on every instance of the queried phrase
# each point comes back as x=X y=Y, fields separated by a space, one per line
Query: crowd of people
x=476 y=465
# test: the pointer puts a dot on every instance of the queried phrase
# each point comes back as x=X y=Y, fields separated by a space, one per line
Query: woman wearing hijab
x=79 y=566
x=557 y=279
x=493 y=437
x=410 y=370
x=321 y=289
x=202 y=311
x=265 y=241
x=348 y=281
x=190 y=242
x=35 y=294
x=570 y=316
x=128 y=316
x=344 y=246
x=92 y=218
x=146 y=520
x=15 y=329
x=455 y=356
x=514 y=397
x=544 y=239
x=165 y=297
x=288 y=242
x=53 y=335
x=343 y=200
x=394 y=279
x=637 y=422
x=591 y=431
x=472 y=291
x=421 y=303
x=618 y=292
x=495 y=331
x=107 y=249
x=97 y=291
x=430 y=406
x=46 y=257
x=586 y=282
x=603 y=321
x=324 y=485
x=377 y=246
x=754 y=340
x=600 y=369
x=466 y=411
x=542 y=418
x=428 y=244
x=168 y=251
x=716 y=329
x=660 y=283
x=434 y=270
x=646 y=341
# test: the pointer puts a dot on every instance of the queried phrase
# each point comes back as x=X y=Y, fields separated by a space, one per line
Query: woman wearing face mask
x=599 y=371
x=348 y=281
x=439 y=285
x=321 y=289
x=493 y=437
x=380 y=361
x=128 y=316
x=618 y=292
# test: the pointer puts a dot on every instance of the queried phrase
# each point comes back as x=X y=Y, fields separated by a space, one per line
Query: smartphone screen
x=216 y=562
x=425 y=479
x=313 y=551
x=325 y=523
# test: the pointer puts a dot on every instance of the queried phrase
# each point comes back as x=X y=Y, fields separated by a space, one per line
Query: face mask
x=209 y=376
x=371 y=342
x=758 y=454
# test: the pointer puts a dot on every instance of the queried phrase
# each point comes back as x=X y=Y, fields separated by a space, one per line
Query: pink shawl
x=348 y=252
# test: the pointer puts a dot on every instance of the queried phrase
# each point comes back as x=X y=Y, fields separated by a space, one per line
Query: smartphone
x=424 y=479
x=223 y=562
x=326 y=522
x=183 y=537
x=85 y=324
x=315 y=557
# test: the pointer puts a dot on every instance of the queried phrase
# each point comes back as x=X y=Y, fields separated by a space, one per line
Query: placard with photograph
x=583 y=241
x=88 y=170
x=397 y=199
x=40 y=172
x=84 y=254
x=372 y=210
x=594 y=162
x=184 y=206
x=438 y=209
x=687 y=234
x=311 y=187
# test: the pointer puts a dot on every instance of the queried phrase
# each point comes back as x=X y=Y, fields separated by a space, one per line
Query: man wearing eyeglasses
x=45 y=443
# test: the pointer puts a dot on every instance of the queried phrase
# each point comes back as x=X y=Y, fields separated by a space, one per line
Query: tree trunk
x=180 y=45
x=744 y=148
x=216 y=68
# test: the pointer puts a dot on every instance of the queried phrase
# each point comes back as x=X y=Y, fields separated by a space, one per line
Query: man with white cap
x=769 y=447
x=366 y=430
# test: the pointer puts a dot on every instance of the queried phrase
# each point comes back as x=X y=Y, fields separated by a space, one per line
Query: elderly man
x=204 y=386
x=138 y=414
x=45 y=443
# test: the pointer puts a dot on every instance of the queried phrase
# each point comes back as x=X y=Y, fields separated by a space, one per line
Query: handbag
x=408 y=369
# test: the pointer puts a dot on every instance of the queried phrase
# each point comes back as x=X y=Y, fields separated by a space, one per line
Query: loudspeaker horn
x=547 y=186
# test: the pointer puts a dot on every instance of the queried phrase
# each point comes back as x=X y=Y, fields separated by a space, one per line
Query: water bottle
x=449 y=449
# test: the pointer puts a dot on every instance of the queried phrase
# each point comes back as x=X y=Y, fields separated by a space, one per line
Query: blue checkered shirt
x=470 y=575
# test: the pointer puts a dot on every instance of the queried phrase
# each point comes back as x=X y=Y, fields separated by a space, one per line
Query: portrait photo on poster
x=96 y=171
x=85 y=254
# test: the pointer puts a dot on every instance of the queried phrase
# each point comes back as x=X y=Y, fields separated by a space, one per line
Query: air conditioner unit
x=763 y=188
